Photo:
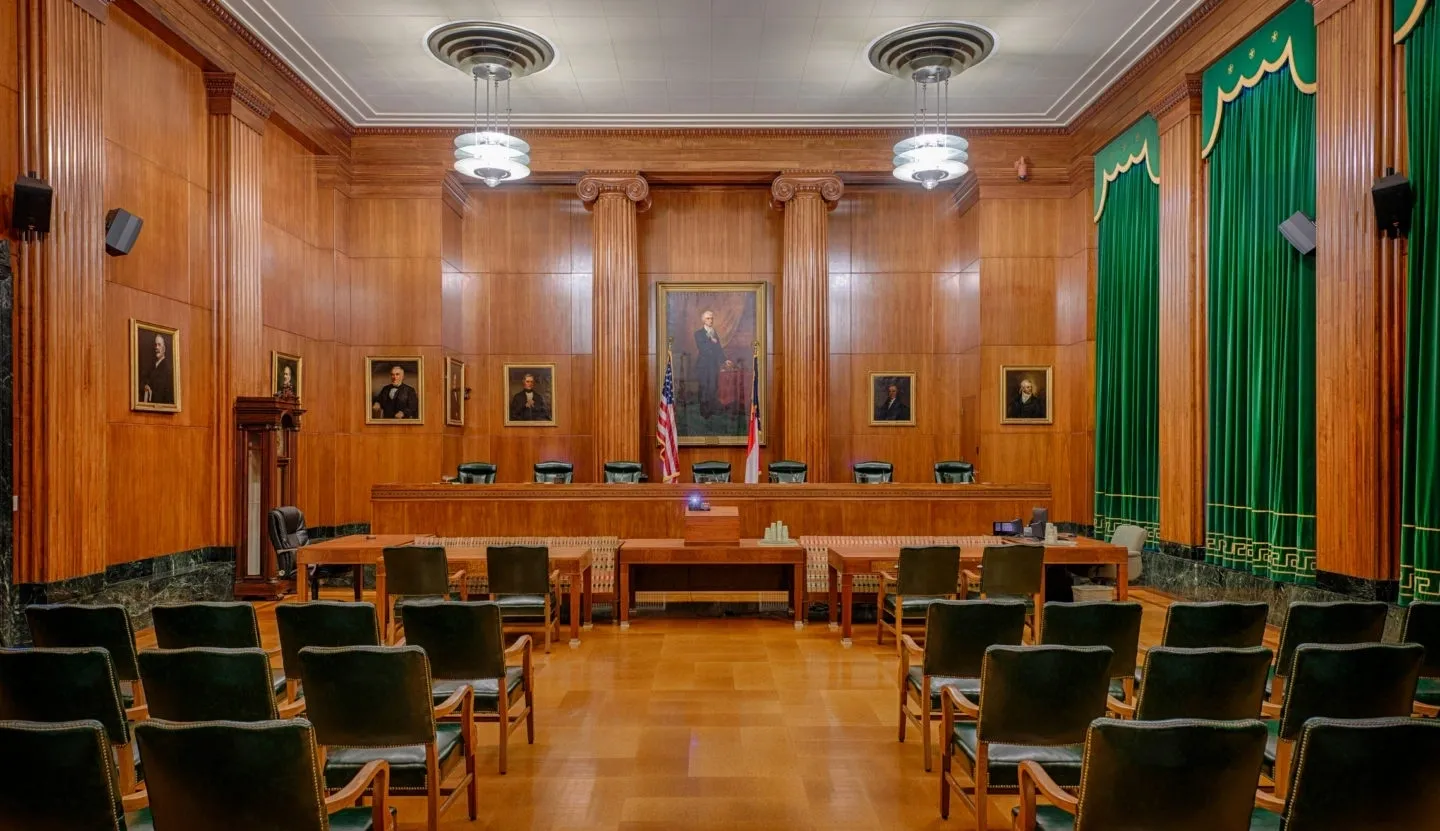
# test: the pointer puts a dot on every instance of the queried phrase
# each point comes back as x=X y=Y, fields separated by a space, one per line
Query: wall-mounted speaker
x=1393 y=200
x=1299 y=231
x=122 y=228
x=30 y=214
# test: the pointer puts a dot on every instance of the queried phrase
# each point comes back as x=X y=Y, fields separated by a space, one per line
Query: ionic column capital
x=228 y=94
x=627 y=183
x=792 y=183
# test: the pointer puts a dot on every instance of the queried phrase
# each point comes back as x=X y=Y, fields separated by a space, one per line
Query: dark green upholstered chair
x=788 y=472
x=710 y=472
x=922 y=576
x=1114 y=624
x=415 y=572
x=872 y=473
x=1009 y=571
x=373 y=703
x=1218 y=684
x=1325 y=623
x=1177 y=775
x=1341 y=681
x=321 y=623
x=957 y=633
x=75 y=627
x=466 y=645
x=1214 y=623
x=1422 y=626
x=60 y=685
x=220 y=625
x=524 y=586
x=202 y=683
x=475 y=473
x=628 y=473
x=1036 y=702
x=554 y=473
x=233 y=776
x=67 y=781
x=954 y=473
x=1373 y=774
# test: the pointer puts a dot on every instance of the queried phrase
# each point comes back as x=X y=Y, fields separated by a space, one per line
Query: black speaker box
x=30 y=212
x=122 y=228
x=1393 y=202
x=1299 y=231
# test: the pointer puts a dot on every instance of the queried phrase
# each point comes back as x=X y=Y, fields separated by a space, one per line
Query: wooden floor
x=713 y=724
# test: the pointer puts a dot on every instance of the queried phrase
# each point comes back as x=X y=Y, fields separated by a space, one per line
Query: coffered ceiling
x=740 y=63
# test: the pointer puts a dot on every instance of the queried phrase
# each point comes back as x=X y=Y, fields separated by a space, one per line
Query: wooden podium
x=717 y=525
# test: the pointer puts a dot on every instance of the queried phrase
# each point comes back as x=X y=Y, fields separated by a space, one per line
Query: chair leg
x=529 y=713
x=904 y=695
x=925 y=721
x=546 y=624
x=432 y=790
x=945 y=780
x=504 y=708
x=982 y=798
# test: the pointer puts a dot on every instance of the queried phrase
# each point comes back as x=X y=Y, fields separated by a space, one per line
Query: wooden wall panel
x=9 y=102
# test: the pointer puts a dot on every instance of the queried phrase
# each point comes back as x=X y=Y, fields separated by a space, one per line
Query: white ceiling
x=711 y=62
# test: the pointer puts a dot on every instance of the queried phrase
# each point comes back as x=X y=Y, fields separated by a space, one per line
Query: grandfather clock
x=265 y=447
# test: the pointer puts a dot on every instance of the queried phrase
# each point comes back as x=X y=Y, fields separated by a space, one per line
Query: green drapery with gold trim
x=1127 y=326
x=1420 y=505
x=1260 y=511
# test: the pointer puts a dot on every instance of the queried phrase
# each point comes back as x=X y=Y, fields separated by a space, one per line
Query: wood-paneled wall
x=9 y=102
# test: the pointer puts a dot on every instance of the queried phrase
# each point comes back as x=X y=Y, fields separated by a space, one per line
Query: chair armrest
x=970 y=577
x=522 y=647
x=956 y=699
x=908 y=646
x=272 y=651
x=1119 y=708
x=139 y=712
x=1269 y=802
x=291 y=709
x=888 y=576
x=462 y=694
x=1034 y=779
x=1269 y=710
x=1427 y=710
x=456 y=576
x=135 y=801
x=376 y=772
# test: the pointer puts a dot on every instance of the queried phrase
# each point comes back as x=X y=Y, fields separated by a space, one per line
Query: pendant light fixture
x=490 y=153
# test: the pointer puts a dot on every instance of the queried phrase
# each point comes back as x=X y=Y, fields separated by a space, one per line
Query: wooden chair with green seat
x=1341 y=681
x=1339 y=622
x=1010 y=571
x=206 y=684
x=957 y=633
x=466 y=645
x=63 y=685
x=372 y=703
x=1213 y=623
x=68 y=780
x=58 y=626
x=219 y=625
x=321 y=623
x=1373 y=774
x=525 y=587
x=921 y=577
x=1217 y=684
x=416 y=572
x=1422 y=626
x=1177 y=775
x=1036 y=702
x=1115 y=624
x=234 y=776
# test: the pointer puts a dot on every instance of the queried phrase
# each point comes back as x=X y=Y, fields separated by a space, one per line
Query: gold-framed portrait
x=1025 y=395
x=892 y=399
x=395 y=389
x=713 y=333
x=529 y=394
x=154 y=367
x=454 y=392
x=286 y=375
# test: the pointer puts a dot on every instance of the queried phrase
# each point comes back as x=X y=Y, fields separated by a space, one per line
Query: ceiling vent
x=931 y=52
x=495 y=51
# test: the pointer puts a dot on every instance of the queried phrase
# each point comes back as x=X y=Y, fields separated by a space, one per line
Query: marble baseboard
x=7 y=445
x=1184 y=551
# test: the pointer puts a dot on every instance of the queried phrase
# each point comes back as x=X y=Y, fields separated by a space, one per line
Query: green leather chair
x=67 y=781
x=233 y=776
x=710 y=472
x=1213 y=624
x=415 y=572
x=873 y=473
x=321 y=623
x=1422 y=626
x=62 y=685
x=376 y=703
x=524 y=586
x=206 y=684
x=954 y=473
x=923 y=576
x=788 y=472
x=1324 y=623
x=466 y=645
x=1341 y=681
x=1036 y=702
x=1175 y=775
x=1217 y=684
x=59 y=626
x=1114 y=624
x=1372 y=774
x=554 y=473
x=628 y=473
x=476 y=473
x=1016 y=571
x=957 y=633
x=211 y=624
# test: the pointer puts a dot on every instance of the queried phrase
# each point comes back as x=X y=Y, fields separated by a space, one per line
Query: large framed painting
x=455 y=392
x=892 y=399
x=285 y=375
x=713 y=332
x=154 y=367
x=529 y=395
x=396 y=389
x=1026 y=395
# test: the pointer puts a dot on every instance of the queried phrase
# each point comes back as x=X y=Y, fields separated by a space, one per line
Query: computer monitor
x=1039 y=518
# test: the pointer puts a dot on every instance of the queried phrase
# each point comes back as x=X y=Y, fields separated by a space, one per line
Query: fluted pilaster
x=615 y=196
x=805 y=196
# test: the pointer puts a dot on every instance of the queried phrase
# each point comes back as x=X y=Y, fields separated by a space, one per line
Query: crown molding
x=1181 y=102
x=98 y=9
x=228 y=94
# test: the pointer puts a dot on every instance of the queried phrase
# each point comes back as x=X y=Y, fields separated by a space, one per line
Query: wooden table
x=848 y=561
x=356 y=550
x=675 y=552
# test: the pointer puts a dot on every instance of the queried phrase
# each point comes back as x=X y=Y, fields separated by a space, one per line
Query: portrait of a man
x=154 y=368
x=396 y=389
x=285 y=374
x=1026 y=395
x=892 y=396
x=711 y=333
x=454 y=392
x=530 y=395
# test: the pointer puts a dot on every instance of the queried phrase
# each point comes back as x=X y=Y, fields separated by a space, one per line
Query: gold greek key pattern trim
x=1225 y=97
x=1256 y=510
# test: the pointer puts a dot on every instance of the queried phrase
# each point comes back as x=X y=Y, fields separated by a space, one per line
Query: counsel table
x=674 y=552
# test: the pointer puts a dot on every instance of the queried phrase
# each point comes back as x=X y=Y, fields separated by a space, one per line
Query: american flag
x=752 y=445
x=665 y=427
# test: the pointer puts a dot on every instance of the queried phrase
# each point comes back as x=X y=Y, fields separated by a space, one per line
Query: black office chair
x=706 y=472
x=873 y=473
x=954 y=473
x=476 y=473
x=628 y=473
x=554 y=473
x=788 y=472
x=287 y=533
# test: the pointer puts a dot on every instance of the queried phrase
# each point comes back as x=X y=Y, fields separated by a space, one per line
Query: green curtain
x=1260 y=509
x=1127 y=357
x=1420 y=509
